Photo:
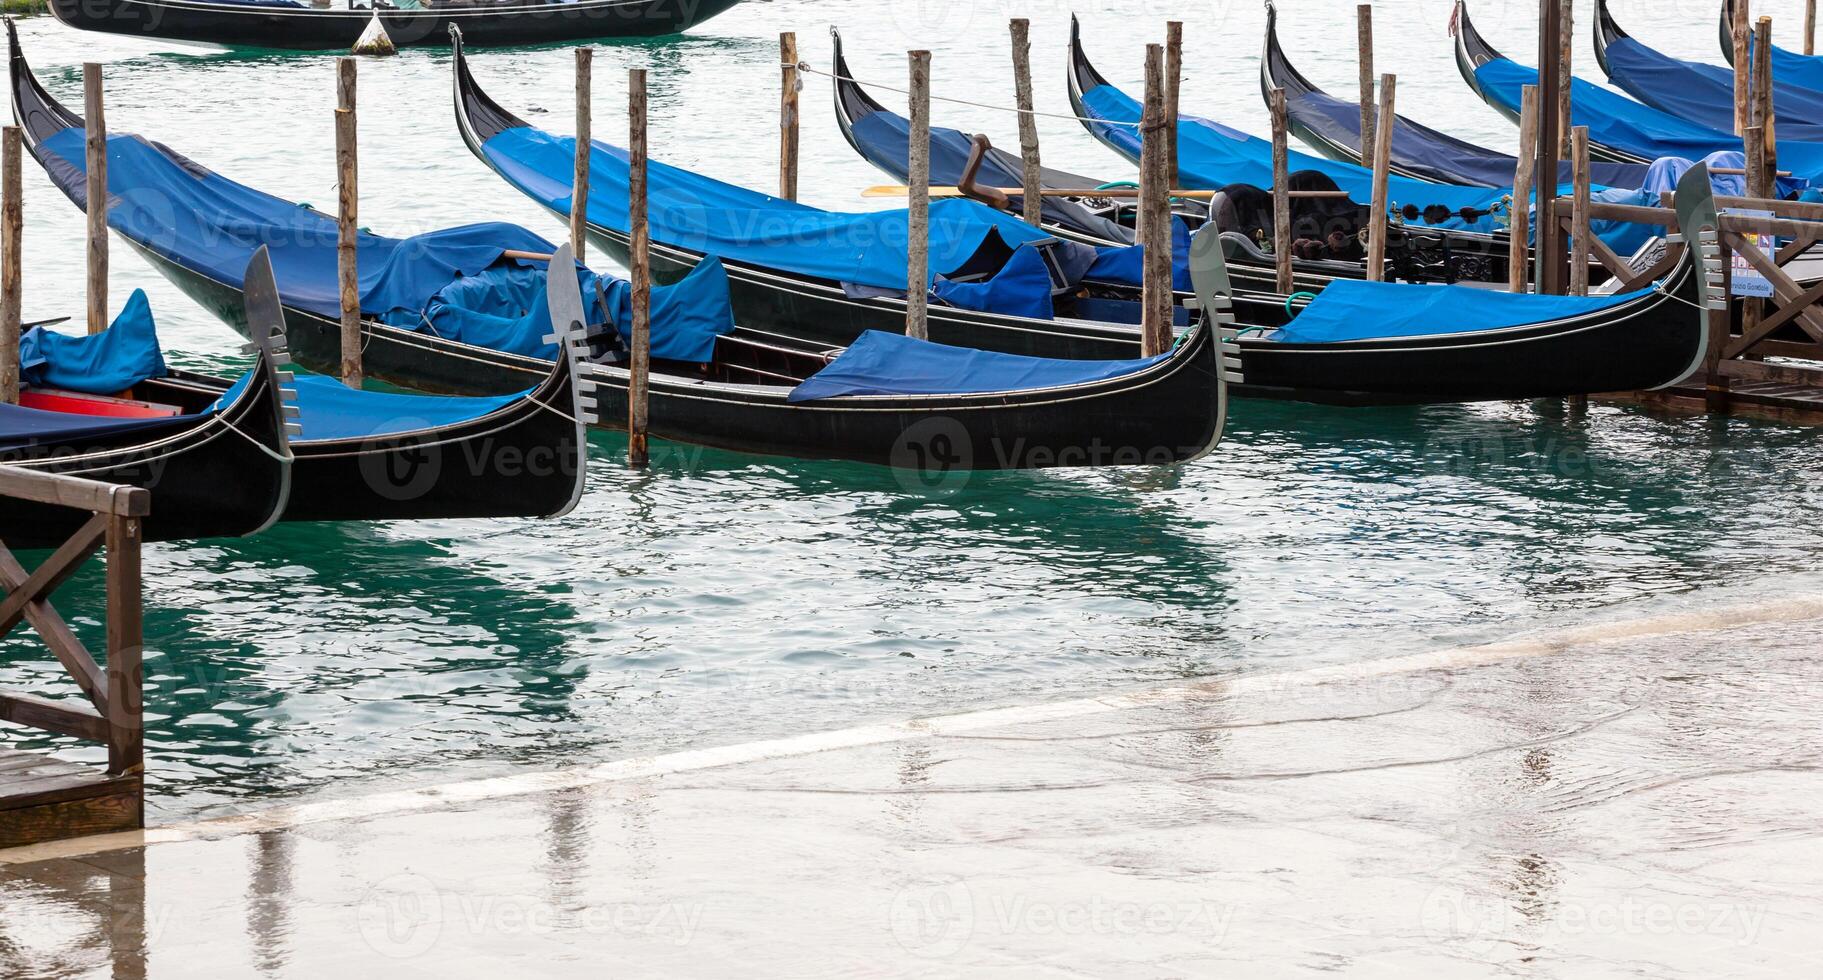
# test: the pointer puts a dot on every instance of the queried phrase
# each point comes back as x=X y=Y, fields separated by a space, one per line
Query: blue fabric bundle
x=503 y=308
x=687 y=315
x=106 y=363
x=698 y=213
x=1125 y=264
x=1353 y=309
x=1704 y=94
x=881 y=363
x=1022 y=287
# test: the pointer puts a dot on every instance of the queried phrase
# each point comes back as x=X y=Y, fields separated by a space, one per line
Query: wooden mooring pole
x=579 y=180
x=1364 y=31
x=640 y=260
x=1174 y=70
x=1566 y=50
x=1579 y=212
x=1030 y=176
x=1743 y=67
x=1810 y=27
x=1155 y=211
x=11 y=241
x=917 y=244
x=1519 y=259
x=1552 y=265
x=348 y=198
x=788 y=116
x=1383 y=150
x=96 y=195
x=1281 y=191
x=1763 y=114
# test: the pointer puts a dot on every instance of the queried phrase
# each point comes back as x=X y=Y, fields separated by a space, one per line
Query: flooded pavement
x=1631 y=800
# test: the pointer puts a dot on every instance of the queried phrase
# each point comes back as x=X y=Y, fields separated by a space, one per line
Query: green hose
x=1294 y=298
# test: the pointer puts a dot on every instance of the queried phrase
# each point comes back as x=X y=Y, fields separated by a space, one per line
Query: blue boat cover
x=25 y=428
x=211 y=225
x=1126 y=263
x=329 y=409
x=1705 y=93
x=1352 y=309
x=882 y=363
x=106 y=363
x=1617 y=121
x=687 y=315
x=1797 y=68
x=1212 y=156
x=705 y=215
x=1022 y=287
x=1434 y=155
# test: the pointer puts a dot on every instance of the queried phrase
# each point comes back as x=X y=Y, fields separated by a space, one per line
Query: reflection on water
x=724 y=597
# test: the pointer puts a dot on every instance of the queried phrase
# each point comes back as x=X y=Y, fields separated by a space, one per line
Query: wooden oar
x=899 y=190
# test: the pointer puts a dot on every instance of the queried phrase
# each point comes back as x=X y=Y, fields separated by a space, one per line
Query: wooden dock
x=43 y=798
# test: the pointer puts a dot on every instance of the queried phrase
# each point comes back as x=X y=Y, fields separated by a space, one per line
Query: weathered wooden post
x=1519 y=257
x=126 y=730
x=1383 y=151
x=1743 y=68
x=1552 y=267
x=348 y=222
x=1031 y=182
x=788 y=116
x=95 y=143
x=1763 y=114
x=579 y=182
x=1156 y=297
x=1810 y=27
x=1579 y=212
x=639 y=369
x=917 y=244
x=1364 y=31
x=11 y=234
x=1566 y=47
x=1174 y=70
x=1281 y=191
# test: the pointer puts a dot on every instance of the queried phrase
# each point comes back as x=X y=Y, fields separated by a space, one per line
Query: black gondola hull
x=226 y=475
x=309 y=29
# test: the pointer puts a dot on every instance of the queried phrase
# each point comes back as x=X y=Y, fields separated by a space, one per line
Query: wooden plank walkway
x=1798 y=404
x=44 y=798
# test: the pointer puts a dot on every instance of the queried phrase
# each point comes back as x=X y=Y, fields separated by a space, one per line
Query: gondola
x=1620 y=129
x=1644 y=340
x=892 y=400
x=1790 y=66
x=1332 y=126
x=880 y=136
x=357 y=455
x=297 y=25
x=221 y=469
x=1691 y=90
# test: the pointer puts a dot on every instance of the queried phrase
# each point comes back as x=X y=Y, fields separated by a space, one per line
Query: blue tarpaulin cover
x=1423 y=151
x=1705 y=93
x=1022 y=287
x=1212 y=156
x=705 y=215
x=106 y=363
x=22 y=428
x=212 y=225
x=1352 y=309
x=1617 y=121
x=1797 y=68
x=687 y=315
x=1126 y=263
x=329 y=409
x=881 y=363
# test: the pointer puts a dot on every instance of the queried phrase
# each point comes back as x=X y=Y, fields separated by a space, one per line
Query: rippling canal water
x=724 y=597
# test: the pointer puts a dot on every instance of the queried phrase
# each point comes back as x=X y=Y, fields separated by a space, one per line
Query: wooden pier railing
x=1789 y=326
x=43 y=798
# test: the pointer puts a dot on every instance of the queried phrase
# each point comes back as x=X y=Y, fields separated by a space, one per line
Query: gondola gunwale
x=277 y=28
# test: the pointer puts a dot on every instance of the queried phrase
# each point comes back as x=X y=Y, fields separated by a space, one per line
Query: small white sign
x=1747 y=280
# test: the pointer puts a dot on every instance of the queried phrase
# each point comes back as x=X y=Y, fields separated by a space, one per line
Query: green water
x=721 y=597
